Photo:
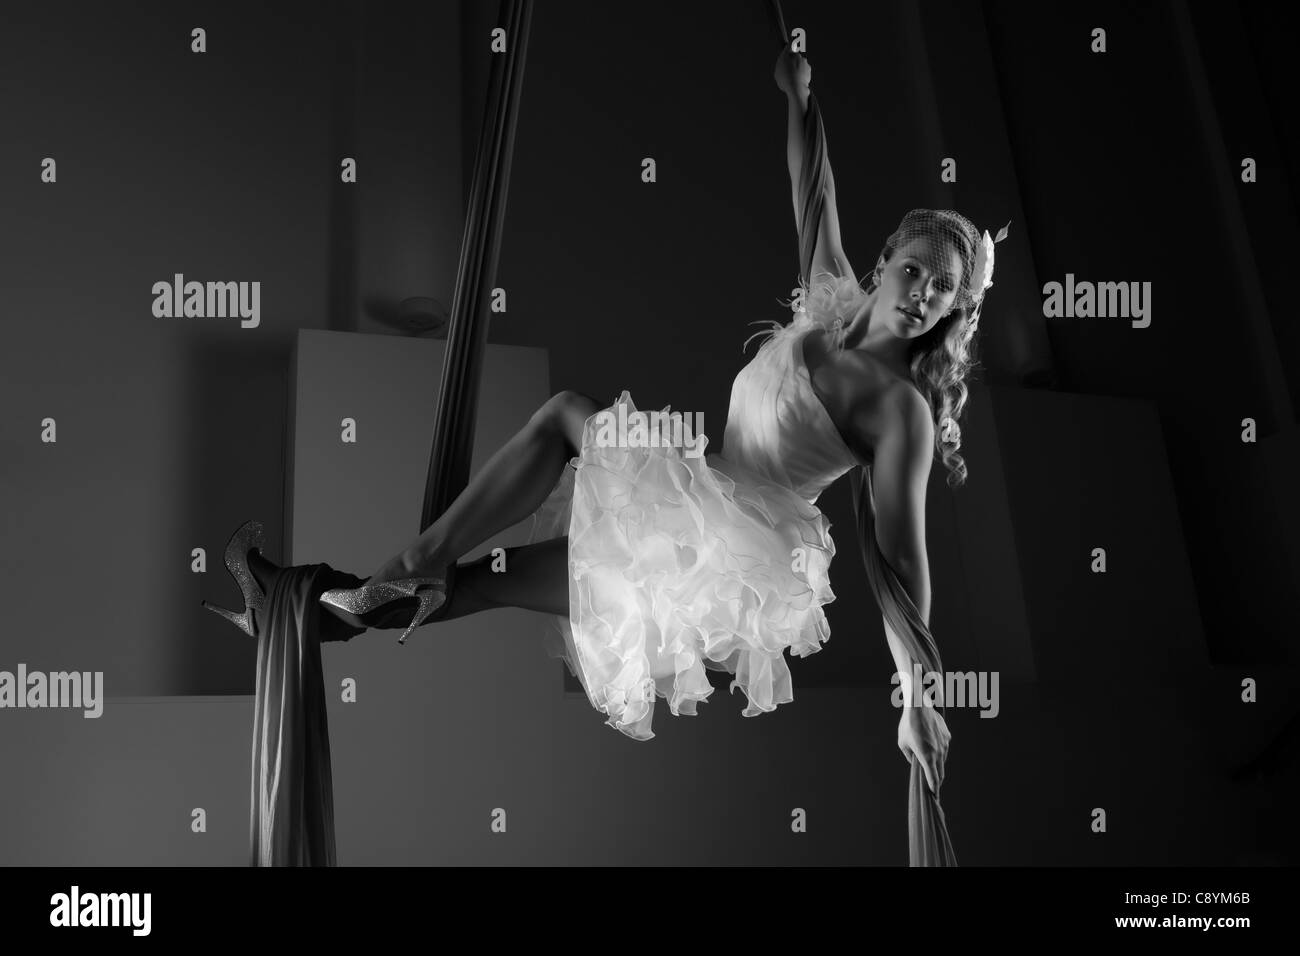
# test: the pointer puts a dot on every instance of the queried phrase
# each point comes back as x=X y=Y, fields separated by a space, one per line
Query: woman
x=658 y=565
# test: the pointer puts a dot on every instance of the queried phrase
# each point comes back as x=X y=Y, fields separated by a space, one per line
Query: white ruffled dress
x=682 y=560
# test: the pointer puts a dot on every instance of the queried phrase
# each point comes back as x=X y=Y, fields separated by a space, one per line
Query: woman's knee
x=567 y=413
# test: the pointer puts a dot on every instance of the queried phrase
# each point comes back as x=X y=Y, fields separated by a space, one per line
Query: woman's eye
x=943 y=289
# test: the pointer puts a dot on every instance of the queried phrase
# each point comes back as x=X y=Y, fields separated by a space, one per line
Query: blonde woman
x=660 y=562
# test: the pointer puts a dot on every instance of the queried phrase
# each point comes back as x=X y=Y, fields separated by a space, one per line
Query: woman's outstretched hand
x=793 y=72
x=923 y=735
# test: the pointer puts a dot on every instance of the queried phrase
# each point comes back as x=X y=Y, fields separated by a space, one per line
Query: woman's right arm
x=793 y=74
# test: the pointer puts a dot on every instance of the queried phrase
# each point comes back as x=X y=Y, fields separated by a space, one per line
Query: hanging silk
x=928 y=840
x=291 y=807
x=291 y=818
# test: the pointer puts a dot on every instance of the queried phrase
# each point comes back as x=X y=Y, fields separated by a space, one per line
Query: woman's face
x=918 y=286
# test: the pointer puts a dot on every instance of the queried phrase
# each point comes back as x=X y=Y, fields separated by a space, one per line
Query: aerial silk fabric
x=927 y=829
x=291 y=806
x=928 y=840
x=291 y=820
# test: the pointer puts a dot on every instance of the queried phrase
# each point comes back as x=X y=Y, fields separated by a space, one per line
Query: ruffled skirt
x=681 y=561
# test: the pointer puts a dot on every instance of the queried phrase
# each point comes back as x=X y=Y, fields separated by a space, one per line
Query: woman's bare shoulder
x=875 y=386
x=883 y=402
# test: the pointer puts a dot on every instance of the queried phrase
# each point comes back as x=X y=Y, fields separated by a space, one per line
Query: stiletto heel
x=248 y=537
x=242 y=621
x=373 y=605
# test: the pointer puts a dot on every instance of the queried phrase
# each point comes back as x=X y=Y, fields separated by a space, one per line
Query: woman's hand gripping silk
x=923 y=735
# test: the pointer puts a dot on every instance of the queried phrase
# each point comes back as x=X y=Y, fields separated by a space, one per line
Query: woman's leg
x=509 y=488
x=536 y=578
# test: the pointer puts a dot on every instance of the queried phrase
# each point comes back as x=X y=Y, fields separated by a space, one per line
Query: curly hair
x=943 y=357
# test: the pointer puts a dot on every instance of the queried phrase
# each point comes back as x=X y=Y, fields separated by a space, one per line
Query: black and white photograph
x=741 y=434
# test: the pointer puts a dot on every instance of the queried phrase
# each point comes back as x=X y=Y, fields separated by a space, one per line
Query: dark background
x=1122 y=166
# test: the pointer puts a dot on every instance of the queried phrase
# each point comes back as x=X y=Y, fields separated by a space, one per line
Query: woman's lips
x=914 y=318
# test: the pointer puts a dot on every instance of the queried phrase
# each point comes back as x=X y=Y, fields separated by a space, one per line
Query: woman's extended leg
x=510 y=487
x=536 y=577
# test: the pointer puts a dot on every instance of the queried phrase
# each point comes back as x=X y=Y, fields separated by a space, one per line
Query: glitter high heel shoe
x=374 y=605
x=248 y=537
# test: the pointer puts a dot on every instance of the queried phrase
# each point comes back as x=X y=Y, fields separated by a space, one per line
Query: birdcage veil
x=929 y=235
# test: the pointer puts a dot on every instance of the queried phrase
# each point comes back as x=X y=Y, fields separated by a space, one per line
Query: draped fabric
x=456 y=413
x=927 y=830
x=291 y=819
x=291 y=809
x=928 y=840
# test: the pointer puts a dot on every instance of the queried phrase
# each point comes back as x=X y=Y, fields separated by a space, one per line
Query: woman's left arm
x=900 y=473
